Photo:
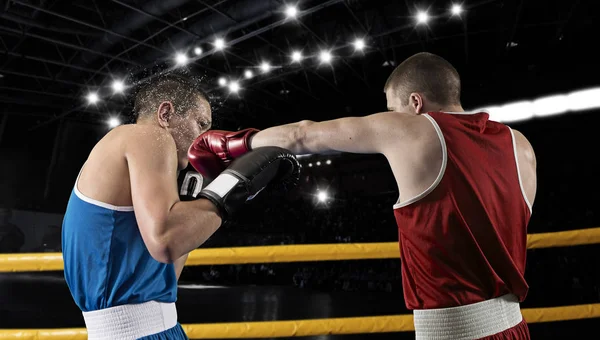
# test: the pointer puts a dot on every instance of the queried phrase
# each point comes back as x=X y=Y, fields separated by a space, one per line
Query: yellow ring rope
x=274 y=329
x=295 y=253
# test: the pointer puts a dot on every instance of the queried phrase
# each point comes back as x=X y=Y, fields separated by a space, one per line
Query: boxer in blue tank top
x=118 y=237
x=126 y=231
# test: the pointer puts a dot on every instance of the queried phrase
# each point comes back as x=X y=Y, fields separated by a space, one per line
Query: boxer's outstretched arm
x=370 y=134
x=170 y=228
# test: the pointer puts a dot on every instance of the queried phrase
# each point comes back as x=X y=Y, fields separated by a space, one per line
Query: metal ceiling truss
x=238 y=26
x=151 y=12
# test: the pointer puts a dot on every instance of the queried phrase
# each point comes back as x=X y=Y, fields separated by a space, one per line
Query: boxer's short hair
x=181 y=90
x=426 y=73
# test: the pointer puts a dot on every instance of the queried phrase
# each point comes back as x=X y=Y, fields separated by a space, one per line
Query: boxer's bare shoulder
x=527 y=165
x=105 y=176
x=415 y=157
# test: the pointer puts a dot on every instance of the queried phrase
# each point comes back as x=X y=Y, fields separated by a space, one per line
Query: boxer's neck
x=453 y=108
x=145 y=121
x=443 y=108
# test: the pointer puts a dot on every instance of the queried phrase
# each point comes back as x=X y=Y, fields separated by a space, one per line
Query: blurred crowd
x=309 y=221
x=11 y=236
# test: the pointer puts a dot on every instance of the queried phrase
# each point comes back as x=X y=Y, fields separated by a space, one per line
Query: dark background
x=53 y=52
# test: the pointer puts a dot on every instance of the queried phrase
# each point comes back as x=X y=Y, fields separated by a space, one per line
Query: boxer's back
x=463 y=235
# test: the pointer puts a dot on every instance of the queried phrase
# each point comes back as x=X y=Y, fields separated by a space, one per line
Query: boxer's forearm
x=179 y=264
x=370 y=134
x=292 y=137
x=188 y=225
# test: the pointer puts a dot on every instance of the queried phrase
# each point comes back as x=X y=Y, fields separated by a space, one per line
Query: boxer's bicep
x=153 y=174
x=370 y=134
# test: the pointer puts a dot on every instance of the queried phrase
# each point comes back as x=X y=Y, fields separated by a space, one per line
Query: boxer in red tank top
x=467 y=185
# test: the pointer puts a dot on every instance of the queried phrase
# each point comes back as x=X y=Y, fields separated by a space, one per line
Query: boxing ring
x=38 y=262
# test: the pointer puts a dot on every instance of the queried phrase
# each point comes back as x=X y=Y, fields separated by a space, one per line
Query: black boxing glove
x=248 y=175
x=190 y=183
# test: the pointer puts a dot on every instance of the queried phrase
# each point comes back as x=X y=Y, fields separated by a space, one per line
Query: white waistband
x=472 y=321
x=130 y=321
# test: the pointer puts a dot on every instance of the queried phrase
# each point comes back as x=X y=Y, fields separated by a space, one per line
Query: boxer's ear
x=164 y=113
x=415 y=101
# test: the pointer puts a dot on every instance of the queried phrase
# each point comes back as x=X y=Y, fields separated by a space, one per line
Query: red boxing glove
x=213 y=150
x=205 y=162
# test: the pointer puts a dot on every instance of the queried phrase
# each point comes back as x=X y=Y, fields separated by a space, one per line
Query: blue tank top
x=106 y=261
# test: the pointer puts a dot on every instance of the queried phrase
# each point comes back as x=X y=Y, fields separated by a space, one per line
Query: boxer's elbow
x=161 y=248
x=302 y=141
x=162 y=252
x=163 y=257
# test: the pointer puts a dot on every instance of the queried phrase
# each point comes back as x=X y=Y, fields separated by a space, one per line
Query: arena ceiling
x=54 y=53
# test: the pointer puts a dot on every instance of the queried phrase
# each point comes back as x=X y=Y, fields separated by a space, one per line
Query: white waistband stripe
x=473 y=321
x=130 y=322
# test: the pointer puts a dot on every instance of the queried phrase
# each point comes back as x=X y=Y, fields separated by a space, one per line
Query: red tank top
x=464 y=240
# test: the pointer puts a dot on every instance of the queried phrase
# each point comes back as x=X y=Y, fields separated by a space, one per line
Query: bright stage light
x=291 y=11
x=322 y=196
x=545 y=106
x=234 y=87
x=181 y=59
x=118 y=86
x=325 y=56
x=296 y=56
x=422 y=17
x=265 y=67
x=92 y=98
x=359 y=44
x=219 y=44
x=456 y=9
x=113 y=122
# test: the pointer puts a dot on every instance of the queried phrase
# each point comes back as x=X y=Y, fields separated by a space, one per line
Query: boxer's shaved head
x=182 y=91
x=427 y=74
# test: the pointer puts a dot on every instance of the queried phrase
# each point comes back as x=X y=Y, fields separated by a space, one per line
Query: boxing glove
x=248 y=175
x=223 y=145
x=205 y=162
x=190 y=182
